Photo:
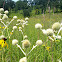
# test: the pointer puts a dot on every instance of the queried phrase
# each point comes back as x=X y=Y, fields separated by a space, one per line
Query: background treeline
x=31 y=7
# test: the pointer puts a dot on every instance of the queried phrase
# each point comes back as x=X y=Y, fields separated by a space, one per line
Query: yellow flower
x=0 y=27
x=3 y=43
x=48 y=48
x=43 y=45
x=11 y=33
x=3 y=27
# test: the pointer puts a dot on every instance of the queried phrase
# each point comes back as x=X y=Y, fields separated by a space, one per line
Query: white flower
x=22 y=21
x=6 y=12
x=44 y=31
x=14 y=41
x=20 y=28
x=5 y=17
x=58 y=37
x=39 y=42
x=25 y=36
x=59 y=60
x=14 y=27
x=38 y=25
x=26 y=18
x=18 y=20
x=1 y=10
x=25 y=44
x=56 y=26
x=24 y=59
x=49 y=32
x=2 y=36
x=15 y=17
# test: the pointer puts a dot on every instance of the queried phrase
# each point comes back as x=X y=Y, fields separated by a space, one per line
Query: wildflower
x=25 y=37
x=22 y=21
x=56 y=26
x=14 y=27
x=49 y=32
x=39 y=42
x=24 y=59
x=3 y=27
x=18 y=20
x=14 y=41
x=38 y=26
x=20 y=28
x=3 y=43
x=11 y=33
x=0 y=27
x=5 y=17
x=1 y=10
x=48 y=48
x=2 y=36
x=59 y=60
x=43 y=45
x=25 y=44
x=6 y=12
x=26 y=18
x=44 y=31
x=15 y=17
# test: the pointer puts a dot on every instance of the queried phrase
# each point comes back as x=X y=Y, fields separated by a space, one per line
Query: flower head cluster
x=6 y=12
x=56 y=26
x=14 y=41
x=5 y=17
x=25 y=44
x=38 y=26
x=39 y=42
x=49 y=32
x=1 y=10
x=24 y=59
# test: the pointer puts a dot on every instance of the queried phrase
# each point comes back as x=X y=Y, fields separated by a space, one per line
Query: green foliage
x=26 y=13
x=37 y=12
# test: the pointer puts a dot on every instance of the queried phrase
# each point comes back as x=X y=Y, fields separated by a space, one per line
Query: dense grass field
x=39 y=54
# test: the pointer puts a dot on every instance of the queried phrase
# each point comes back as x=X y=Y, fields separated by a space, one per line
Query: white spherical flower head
x=56 y=26
x=38 y=26
x=26 y=18
x=22 y=21
x=14 y=27
x=6 y=12
x=2 y=36
x=15 y=17
x=18 y=20
x=5 y=17
x=14 y=41
x=25 y=44
x=24 y=59
x=49 y=32
x=1 y=10
x=39 y=42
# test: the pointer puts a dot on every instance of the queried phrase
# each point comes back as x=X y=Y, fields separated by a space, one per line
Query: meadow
x=38 y=54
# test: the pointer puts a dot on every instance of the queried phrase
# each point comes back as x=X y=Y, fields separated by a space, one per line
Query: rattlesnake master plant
x=52 y=35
